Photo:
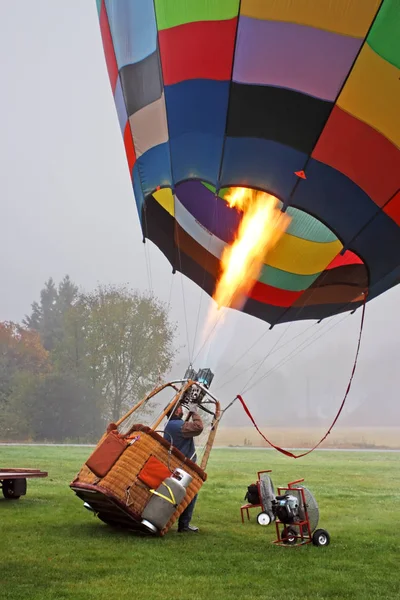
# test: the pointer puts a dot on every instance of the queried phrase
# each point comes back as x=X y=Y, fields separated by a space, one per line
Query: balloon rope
x=204 y=279
x=183 y=298
x=287 y=452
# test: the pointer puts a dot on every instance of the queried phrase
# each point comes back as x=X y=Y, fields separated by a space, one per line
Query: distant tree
x=71 y=355
x=23 y=362
x=47 y=316
x=53 y=408
x=67 y=294
x=123 y=340
x=14 y=416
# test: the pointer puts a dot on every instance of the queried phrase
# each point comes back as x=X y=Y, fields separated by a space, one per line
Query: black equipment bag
x=252 y=496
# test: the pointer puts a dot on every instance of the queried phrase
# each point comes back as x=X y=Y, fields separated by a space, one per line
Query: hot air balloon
x=297 y=99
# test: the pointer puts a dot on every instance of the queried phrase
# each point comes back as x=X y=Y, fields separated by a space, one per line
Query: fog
x=67 y=206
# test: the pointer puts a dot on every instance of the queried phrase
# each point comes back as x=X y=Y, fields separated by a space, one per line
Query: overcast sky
x=67 y=207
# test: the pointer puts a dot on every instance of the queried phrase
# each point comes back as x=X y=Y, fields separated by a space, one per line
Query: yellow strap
x=172 y=497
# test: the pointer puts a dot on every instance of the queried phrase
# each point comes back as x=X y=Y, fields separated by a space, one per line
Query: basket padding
x=154 y=472
x=106 y=454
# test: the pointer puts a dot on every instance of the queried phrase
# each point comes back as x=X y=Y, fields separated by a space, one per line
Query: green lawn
x=52 y=548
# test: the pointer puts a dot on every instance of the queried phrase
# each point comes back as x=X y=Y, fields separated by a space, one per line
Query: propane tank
x=165 y=500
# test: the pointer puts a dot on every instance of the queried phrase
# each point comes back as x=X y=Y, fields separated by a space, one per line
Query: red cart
x=304 y=529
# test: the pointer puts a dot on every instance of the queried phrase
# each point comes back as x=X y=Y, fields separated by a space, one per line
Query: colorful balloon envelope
x=297 y=99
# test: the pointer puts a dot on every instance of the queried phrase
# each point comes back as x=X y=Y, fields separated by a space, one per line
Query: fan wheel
x=263 y=518
x=289 y=536
x=321 y=538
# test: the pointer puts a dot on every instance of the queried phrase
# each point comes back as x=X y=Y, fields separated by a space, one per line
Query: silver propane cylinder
x=165 y=500
x=183 y=477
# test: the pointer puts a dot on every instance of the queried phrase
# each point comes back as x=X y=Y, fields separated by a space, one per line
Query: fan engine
x=286 y=508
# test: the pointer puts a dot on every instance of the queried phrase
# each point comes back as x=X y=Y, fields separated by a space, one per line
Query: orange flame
x=262 y=226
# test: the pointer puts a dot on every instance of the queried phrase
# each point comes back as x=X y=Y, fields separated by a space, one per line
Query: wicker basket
x=121 y=484
x=110 y=480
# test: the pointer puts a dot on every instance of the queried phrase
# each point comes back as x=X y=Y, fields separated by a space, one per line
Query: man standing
x=182 y=433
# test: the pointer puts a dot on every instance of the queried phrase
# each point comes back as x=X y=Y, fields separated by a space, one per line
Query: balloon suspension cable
x=170 y=292
x=302 y=346
x=266 y=357
x=298 y=350
x=148 y=268
x=184 y=301
x=202 y=292
x=220 y=416
x=159 y=378
x=229 y=405
x=287 y=452
x=256 y=362
x=273 y=350
x=147 y=255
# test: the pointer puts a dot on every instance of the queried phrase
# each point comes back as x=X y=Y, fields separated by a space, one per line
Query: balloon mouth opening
x=307 y=268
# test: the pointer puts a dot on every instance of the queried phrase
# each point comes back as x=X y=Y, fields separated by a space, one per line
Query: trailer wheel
x=13 y=489
x=321 y=538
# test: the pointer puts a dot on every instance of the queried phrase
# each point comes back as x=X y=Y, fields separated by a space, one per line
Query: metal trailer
x=13 y=481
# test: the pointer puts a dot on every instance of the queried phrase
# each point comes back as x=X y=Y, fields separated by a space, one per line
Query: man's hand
x=193 y=407
x=192 y=426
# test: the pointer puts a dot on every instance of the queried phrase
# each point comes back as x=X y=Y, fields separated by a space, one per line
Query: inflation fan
x=294 y=510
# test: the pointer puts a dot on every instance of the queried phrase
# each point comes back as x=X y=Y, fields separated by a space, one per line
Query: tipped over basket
x=128 y=466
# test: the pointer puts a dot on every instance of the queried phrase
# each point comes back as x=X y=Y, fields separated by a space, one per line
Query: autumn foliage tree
x=23 y=347
x=21 y=350
x=22 y=359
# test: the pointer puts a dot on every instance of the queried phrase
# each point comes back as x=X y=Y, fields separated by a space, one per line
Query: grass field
x=51 y=548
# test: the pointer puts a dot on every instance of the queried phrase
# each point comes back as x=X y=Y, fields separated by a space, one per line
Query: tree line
x=79 y=360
